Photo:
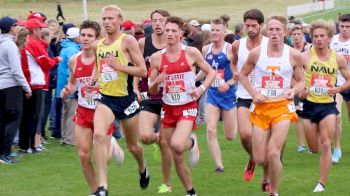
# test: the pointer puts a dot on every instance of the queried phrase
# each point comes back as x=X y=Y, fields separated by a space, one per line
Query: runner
x=272 y=110
x=301 y=45
x=341 y=45
x=151 y=105
x=173 y=67
x=118 y=60
x=319 y=109
x=253 y=21
x=81 y=67
x=221 y=96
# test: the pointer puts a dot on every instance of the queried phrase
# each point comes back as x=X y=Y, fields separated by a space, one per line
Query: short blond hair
x=281 y=19
x=329 y=26
x=113 y=8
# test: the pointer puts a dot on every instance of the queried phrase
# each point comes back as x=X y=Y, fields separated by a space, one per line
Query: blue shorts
x=122 y=107
x=315 y=112
x=224 y=103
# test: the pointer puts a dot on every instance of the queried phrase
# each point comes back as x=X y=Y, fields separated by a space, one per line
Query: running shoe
x=164 y=188
x=144 y=179
x=336 y=155
x=101 y=191
x=118 y=153
x=266 y=186
x=301 y=148
x=194 y=151
x=319 y=188
x=219 y=169
x=248 y=174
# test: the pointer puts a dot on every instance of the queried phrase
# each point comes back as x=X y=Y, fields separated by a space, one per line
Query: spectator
x=36 y=64
x=239 y=31
x=12 y=81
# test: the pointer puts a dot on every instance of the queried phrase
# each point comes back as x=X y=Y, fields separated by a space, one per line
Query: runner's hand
x=303 y=94
x=196 y=93
x=223 y=87
x=161 y=78
x=289 y=93
x=112 y=62
x=65 y=92
x=258 y=97
x=138 y=95
x=333 y=91
x=90 y=85
x=236 y=76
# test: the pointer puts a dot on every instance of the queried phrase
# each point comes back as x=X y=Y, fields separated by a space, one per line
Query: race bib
x=251 y=78
x=132 y=108
x=190 y=112
x=144 y=96
x=252 y=107
x=272 y=86
x=107 y=73
x=219 y=79
x=176 y=91
x=291 y=107
x=320 y=84
x=90 y=97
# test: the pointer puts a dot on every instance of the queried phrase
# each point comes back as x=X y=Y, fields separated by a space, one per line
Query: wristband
x=202 y=87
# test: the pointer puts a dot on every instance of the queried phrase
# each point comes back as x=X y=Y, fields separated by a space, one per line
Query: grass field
x=139 y=10
x=57 y=172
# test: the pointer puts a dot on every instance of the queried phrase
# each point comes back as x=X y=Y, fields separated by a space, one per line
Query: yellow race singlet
x=320 y=76
x=112 y=82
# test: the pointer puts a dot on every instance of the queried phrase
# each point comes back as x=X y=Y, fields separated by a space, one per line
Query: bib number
x=107 y=73
x=190 y=112
x=320 y=84
x=219 y=79
x=291 y=107
x=132 y=108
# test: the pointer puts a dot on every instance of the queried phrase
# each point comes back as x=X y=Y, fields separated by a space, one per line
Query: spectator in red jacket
x=36 y=65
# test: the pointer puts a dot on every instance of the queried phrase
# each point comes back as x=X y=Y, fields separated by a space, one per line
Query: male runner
x=151 y=105
x=81 y=67
x=118 y=59
x=253 y=22
x=272 y=111
x=221 y=96
x=341 y=45
x=174 y=67
x=319 y=109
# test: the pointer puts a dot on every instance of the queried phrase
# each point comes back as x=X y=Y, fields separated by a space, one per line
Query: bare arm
x=342 y=65
x=132 y=48
x=234 y=59
x=135 y=84
x=156 y=78
x=198 y=60
x=201 y=75
x=298 y=73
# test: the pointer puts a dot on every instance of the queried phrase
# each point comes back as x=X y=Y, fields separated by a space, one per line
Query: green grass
x=57 y=172
x=139 y=10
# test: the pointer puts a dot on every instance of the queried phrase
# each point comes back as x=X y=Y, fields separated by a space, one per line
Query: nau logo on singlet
x=102 y=55
x=326 y=70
